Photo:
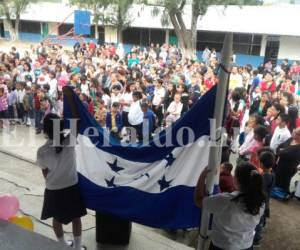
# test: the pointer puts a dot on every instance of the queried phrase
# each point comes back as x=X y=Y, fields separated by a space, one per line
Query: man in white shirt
x=281 y=133
x=158 y=99
x=136 y=116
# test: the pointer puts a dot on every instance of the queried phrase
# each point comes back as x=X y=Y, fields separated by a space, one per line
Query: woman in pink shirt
x=247 y=150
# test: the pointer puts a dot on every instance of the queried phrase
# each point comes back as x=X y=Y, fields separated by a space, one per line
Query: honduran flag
x=148 y=184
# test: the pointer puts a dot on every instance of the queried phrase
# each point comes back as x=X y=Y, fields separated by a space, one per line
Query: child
x=28 y=106
x=3 y=107
x=62 y=199
x=12 y=99
x=226 y=180
x=254 y=144
x=101 y=113
x=38 y=113
x=149 y=122
x=281 y=133
x=174 y=110
x=235 y=214
x=267 y=162
x=114 y=120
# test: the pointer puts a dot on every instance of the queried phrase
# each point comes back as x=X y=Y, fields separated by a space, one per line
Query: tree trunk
x=195 y=15
x=10 y=29
x=193 y=35
x=120 y=35
x=17 y=24
x=96 y=21
x=183 y=35
x=9 y=24
x=96 y=32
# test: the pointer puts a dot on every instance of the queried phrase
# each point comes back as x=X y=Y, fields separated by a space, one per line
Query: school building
x=261 y=33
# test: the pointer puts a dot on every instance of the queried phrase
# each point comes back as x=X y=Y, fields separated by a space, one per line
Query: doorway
x=272 y=49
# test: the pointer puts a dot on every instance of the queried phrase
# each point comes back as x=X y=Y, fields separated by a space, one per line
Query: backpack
x=279 y=194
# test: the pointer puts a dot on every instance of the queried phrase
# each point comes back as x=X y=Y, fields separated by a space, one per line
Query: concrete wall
x=111 y=35
x=289 y=48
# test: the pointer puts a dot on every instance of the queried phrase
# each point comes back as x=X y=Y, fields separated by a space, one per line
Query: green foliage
x=13 y=8
x=109 y=12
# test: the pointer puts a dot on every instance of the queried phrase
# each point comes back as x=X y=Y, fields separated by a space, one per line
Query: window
x=101 y=34
x=157 y=36
x=248 y=44
x=131 y=36
x=30 y=27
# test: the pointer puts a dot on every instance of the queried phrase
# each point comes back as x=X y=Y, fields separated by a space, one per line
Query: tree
x=173 y=11
x=109 y=12
x=12 y=10
x=120 y=18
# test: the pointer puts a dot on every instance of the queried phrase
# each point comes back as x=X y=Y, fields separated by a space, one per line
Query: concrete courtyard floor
x=21 y=177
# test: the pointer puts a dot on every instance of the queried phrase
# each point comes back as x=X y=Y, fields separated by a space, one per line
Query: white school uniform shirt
x=115 y=98
x=175 y=108
x=135 y=115
x=61 y=166
x=158 y=95
x=232 y=227
x=53 y=87
x=280 y=136
x=20 y=95
x=85 y=89
x=127 y=98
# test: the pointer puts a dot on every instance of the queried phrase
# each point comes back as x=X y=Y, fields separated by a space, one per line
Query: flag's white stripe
x=190 y=161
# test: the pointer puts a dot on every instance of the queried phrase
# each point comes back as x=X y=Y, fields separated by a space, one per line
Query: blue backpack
x=279 y=194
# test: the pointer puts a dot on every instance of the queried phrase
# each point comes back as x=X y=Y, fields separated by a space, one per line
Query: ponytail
x=251 y=188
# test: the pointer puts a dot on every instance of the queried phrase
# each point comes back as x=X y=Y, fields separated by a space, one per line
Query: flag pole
x=216 y=134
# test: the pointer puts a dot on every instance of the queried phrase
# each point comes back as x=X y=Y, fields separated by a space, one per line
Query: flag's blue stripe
x=197 y=119
x=172 y=209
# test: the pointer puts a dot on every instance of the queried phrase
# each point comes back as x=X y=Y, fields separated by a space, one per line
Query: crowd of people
x=122 y=90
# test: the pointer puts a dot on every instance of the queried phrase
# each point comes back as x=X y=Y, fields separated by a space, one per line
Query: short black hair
x=116 y=105
x=144 y=105
x=284 y=117
x=137 y=94
x=261 y=132
x=278 y=107
x=267 y=159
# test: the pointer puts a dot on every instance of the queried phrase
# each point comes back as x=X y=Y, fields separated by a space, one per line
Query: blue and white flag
x=149 y=184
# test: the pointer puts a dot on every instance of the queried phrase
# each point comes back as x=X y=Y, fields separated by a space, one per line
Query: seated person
x=174 y=110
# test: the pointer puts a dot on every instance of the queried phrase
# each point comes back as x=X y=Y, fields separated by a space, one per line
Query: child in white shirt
x=174 y=110
x=281 y=133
